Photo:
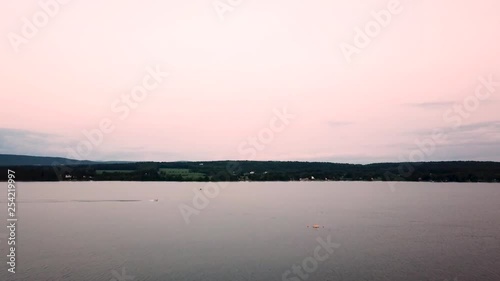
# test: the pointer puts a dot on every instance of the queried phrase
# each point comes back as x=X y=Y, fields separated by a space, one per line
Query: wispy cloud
x=489 y=125
x=474 y=141
x=431 y=105
x=486 y=126
x=26 y=142
x=335 y=124
x=15 y=141
x=139 y=154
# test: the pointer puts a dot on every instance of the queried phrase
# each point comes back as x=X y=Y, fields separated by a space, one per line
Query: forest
x=452 y=171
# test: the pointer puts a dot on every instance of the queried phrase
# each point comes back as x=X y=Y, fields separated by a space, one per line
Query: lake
x=84 y=231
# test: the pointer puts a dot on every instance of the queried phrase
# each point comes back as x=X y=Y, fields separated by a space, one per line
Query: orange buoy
x=315 y=225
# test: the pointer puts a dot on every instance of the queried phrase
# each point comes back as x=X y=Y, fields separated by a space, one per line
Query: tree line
x=455 y=171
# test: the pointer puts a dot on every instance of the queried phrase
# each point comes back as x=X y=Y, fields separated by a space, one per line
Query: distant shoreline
x=253 y=171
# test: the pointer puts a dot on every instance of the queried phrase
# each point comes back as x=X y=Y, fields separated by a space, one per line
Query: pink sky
x=227 y=77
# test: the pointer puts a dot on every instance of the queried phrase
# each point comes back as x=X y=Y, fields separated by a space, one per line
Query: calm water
x=255 y=231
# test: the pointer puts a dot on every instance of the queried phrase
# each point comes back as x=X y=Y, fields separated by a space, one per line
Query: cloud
x=431 y=105
x=26 y=142
x=441 y=105
x=474 y=141
x=490 y=125
x=15 y=141
x=335 y=124
x=138 y=154
x=468 y=151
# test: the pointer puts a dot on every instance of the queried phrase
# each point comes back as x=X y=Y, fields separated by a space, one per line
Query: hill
x=25 y=160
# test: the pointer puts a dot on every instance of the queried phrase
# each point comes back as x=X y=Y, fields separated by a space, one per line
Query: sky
x=164 y=80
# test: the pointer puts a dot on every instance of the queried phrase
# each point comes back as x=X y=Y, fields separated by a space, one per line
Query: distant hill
x=24 y=160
